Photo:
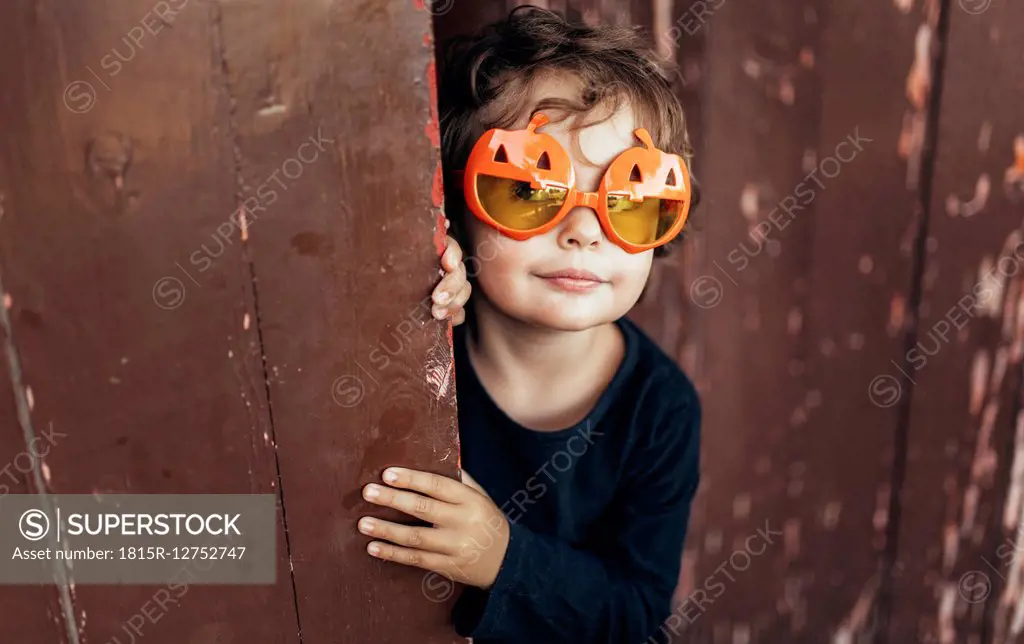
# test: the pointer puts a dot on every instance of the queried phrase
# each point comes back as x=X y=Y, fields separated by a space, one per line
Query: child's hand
x=452 y=293
x=469 y=535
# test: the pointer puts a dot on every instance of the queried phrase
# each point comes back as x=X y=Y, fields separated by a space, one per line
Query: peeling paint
x=794 y=489
x=752 y=68
x=852 y=628
x=243 y=223
x=978 y=377
x=807 y=58
x=749 y=202
x=713 y=542
x=982 y=190
x=830 y=515
x=910 y=145
x=741 y=506
x=809 y=161
x=856 y=341
x=741 y=634
x=791 y=538
x=1013 y=179
x=947 y=603
x=827 y=346
x=950 y=547
x=985 y=136
x=439 y=377
x=865 y=264
x=1015 y=494
x=787 y=91
x=794 y=321
x=798 y=418
x=897 y=314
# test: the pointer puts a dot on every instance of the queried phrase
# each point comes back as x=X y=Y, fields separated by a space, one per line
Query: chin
x=560 y=322
x=569 y=316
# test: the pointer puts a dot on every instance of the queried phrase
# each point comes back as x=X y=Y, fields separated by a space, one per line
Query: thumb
x=471 y=482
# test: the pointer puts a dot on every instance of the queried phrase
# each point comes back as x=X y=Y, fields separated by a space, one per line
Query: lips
x=573 y=280
x=574 y=274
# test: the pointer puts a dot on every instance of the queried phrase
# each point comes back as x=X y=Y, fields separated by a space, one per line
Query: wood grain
x=959 y=566
x=155 y=379
x=345 y=258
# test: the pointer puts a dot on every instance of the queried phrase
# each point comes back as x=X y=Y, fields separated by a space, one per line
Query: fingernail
x=442 y=297
x=373 y=549
x=366 y=525
x=372 y=492
x=440 y=313
x=390 y=476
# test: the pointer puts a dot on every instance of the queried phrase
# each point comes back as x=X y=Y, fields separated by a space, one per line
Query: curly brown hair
x=487 y=77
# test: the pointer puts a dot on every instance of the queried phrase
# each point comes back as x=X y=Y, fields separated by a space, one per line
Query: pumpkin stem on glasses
x=645 y=137
x=538 y=120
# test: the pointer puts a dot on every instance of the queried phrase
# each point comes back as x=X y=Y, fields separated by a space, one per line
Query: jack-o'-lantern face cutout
x=522 y=183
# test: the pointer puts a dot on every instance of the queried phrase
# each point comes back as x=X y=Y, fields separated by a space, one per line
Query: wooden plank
x=118 y=170
x=858 y=278
x=743 y=290
x=959 y=564
x=360 y=375
x=797 y=305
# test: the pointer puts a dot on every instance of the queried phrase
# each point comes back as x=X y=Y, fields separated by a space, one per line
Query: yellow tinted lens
x=516 y=205
x=642 y=222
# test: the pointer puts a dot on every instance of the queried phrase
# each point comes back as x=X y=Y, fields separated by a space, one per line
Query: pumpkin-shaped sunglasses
x=522 y=183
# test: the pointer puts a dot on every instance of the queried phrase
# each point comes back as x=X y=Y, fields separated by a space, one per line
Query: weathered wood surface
x=359 y=373
x=178 y=347
x=111 y=183
x=958 y=570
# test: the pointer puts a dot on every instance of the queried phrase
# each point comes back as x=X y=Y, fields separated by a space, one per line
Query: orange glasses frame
x=535 y=157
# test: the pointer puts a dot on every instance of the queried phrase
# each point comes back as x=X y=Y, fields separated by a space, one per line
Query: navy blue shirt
x=598 y=511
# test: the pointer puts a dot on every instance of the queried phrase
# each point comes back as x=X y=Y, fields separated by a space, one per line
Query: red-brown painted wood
x=959 y=564
x=105 y=205
x=360 y=376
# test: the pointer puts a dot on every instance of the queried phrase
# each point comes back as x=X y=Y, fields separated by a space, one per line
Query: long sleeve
x=617 y=591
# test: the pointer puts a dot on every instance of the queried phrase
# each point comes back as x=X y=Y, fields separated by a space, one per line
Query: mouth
x=573 y=280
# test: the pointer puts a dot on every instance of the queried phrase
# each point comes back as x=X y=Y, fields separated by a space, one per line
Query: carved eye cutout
x=670 y=180
x=544 y=162
x=501 y=156
x=634 y=175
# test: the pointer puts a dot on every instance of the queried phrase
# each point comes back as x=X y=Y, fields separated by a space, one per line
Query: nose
x=580 y=229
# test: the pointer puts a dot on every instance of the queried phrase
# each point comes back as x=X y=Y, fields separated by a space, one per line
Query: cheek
x=631 y=274
x=492 y=257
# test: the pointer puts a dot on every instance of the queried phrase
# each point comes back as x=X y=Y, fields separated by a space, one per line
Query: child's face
x=533 y=280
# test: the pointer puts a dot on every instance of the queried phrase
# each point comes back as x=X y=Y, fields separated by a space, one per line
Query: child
x=563 y=181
